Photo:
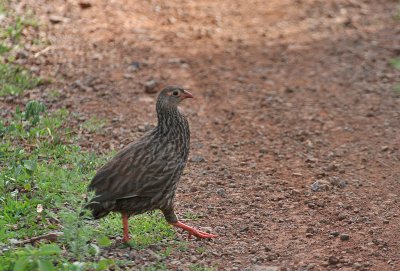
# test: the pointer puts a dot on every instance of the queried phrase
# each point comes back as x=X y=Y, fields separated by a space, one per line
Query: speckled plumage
x=144 y=175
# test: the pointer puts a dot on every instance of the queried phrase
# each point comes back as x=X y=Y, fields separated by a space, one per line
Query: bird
x=144 y=175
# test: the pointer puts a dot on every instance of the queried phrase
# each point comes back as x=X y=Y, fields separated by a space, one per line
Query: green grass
x=199 y=267
x=397 y=88
x=43 y=183
x=14 y=80
x=94 y=124
x=16 y=24
x=395 y=63
x=43 y=180
x=397 y=16
x=191 y=216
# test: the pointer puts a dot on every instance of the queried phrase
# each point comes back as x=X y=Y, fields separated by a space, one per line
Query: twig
x=52 y=237
x=42 y=51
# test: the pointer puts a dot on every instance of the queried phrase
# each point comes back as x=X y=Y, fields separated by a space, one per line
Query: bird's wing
x=140 y=170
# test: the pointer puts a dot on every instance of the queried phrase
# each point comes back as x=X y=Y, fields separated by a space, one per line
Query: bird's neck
x=170 y=119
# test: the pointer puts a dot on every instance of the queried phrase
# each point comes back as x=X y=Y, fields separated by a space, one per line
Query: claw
x=193 y=231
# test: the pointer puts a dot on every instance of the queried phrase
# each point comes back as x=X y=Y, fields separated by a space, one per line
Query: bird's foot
x=193 y=231
x=126 y=239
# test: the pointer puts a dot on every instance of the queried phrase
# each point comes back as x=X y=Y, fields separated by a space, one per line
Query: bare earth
x=295 y=124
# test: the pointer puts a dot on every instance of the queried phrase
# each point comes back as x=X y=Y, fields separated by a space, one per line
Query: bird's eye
x=175 y=93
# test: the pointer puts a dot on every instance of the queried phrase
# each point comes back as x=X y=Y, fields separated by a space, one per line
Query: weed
x=199 y=267
x=94 y=124
x=200 y=250
x=31 y=258
x=14 y=80
x=43 y=181
x=191 y=216
x=395 y=63
x=4 y=49
x=397 y=16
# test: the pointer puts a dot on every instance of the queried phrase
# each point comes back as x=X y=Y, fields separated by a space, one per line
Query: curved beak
x=186 y=94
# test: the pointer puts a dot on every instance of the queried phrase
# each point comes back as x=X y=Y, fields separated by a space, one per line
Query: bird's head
x=171 y=96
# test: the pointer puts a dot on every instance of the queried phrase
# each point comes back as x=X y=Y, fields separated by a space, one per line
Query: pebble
x=197 y=159
x=309 y=235
x=151 y=86
x=55 y=19
x=85 y=4
x=245 y=229
x=134 y=66
x=221 y=192
x=263 y=268
x=334 y=234
x=320 y=185
x=263 y=150
x=333 y=260
x=342 y=216
x=344 y=237
x=22 y=54
x=336 y=181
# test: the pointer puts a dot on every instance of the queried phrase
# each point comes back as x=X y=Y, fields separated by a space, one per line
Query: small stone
x=333 y=260
x=263 y=150
x=128 y=76
x=175 y=61
x=13 y=241
x=385 y=221
x=357 y=266
x=311 y=230
x=22 y=54
x=134 y=66
x=336 y=181
x=332 y=167
x=264 y=268
x=55 y=19
x=334 y=234
x=320 y=185
x=385 y=148
x=150 y=86
x=245 y=229
x=197 y=159
x=221 y=192
x=344 y=237
x=85 y=4
x=289 y=90
x=342 y=216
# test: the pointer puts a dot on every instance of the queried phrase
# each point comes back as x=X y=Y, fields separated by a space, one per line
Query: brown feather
x=144 y=175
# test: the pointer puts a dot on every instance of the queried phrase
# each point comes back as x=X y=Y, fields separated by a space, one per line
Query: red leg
x=193 y=231
x=125 y=218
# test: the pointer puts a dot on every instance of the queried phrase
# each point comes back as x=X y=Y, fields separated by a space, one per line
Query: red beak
x=186 y=94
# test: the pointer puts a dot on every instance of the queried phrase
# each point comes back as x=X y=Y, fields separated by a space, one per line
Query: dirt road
x=295 y=125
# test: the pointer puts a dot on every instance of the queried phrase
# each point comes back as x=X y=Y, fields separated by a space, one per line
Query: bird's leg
x=193 y=231
x=172 y=219
x=125 y=218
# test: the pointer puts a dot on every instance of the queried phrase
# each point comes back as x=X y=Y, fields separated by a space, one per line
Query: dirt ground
x=295 y=124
